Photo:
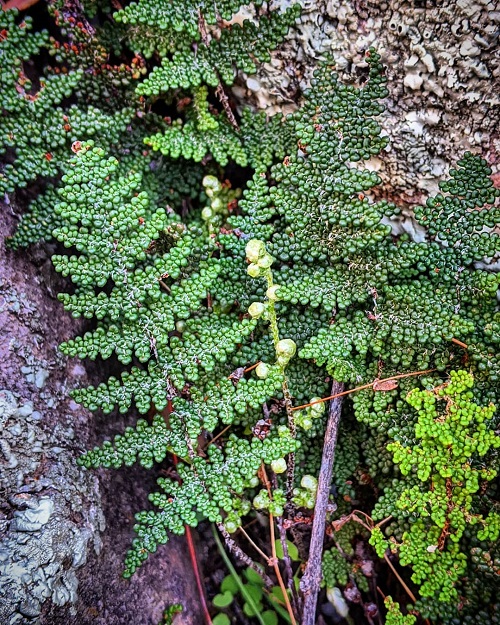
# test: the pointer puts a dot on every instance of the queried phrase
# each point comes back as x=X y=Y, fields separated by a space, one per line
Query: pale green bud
x=255 y=249
x=217 y=204
x=256 y=310
x=265 y=261
x=261 y=501
x=286 y=348
x=278 y=466
x=207 y=213
x=309 y=482
x=211 y=184
x=305 y=423
x=271 y=292
x=282 y=360
x=262 y=370
x=253 y=270
x=317 y=409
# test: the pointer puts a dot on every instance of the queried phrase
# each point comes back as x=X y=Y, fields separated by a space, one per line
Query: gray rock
x=30 y=608
x=8 y=406
x=56 y=566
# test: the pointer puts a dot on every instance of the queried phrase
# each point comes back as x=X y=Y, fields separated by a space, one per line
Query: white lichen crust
x=41 y=547
x=443 y=70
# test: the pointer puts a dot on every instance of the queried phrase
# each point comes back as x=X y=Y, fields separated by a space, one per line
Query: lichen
x=41 y=548
x=442 y=62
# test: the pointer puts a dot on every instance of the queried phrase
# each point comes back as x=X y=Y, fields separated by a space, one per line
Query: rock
x=8 y=406
x=57 y=567
x=441 y=57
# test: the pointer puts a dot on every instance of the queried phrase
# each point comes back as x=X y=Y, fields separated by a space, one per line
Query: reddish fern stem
x=194 y=560
x=196 y=570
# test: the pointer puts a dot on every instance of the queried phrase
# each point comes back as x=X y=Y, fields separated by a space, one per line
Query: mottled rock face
x=41 y=547
x=443 y=70
x=58 y=563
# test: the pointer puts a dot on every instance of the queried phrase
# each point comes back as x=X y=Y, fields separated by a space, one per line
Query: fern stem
x=256 y=547
x=274 y=559
x=239 y=553
x=241 y=587
x=290 y=473
x=272 y=310
x=364 y=386
x=194 y=562
x=296 y=604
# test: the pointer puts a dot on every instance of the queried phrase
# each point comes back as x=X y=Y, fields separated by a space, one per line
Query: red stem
x=21 y=5
x=192 y=555
x=196 y=570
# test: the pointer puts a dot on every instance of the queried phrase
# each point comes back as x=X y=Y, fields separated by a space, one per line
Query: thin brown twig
x=252 y=367
x=288 y=567
x=195 y=566
x=360 y=388
x=278 y=573
x=218 y=435
x=384 y=521
x=238 y=374
x=311 y=580
x=372 y=582
x=400 y=579
x=239 y=553
x=250 y=523
x=221 y=94
x=273 y=561
x=165 y=286
x=295 y=599
x=258 y=549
